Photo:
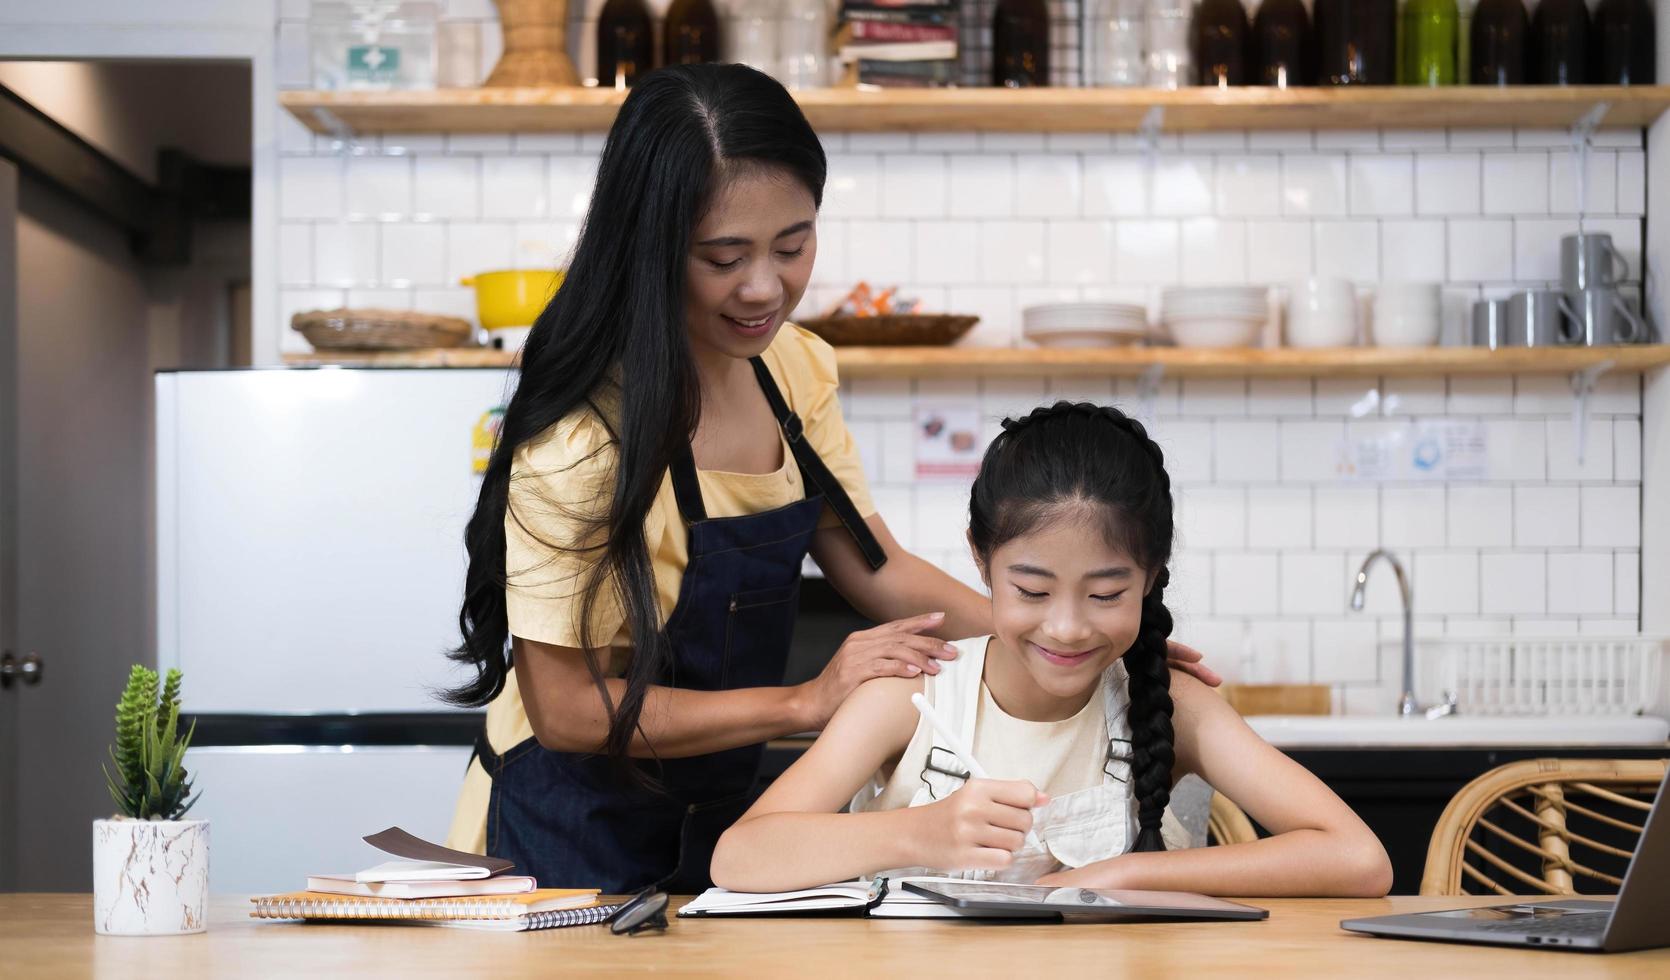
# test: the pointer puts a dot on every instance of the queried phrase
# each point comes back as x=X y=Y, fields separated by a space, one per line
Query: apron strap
x=686 y=489
x=814 y=473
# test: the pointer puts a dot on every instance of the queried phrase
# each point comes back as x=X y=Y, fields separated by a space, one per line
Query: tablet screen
x=1071 y=901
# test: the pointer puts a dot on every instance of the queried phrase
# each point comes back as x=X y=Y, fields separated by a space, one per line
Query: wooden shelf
x=1128 y=361
x=1059 y=110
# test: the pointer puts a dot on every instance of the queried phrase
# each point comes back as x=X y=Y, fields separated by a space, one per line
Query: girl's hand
x=890 y=650
x=980 y=826
x=1189 y=660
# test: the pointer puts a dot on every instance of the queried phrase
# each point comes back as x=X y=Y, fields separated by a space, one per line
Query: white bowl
x=1190 y=331
x=1393 y=329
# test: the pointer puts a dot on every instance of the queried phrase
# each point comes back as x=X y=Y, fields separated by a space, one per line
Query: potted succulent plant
x=150 y=867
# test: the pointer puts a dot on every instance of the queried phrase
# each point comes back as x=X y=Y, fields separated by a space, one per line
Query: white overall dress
x=1071 y=830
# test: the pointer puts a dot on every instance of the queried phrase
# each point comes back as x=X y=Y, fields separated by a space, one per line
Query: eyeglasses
x=645 y=910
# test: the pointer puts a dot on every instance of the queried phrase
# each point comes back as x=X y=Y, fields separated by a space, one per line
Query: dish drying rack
x=1571 y=675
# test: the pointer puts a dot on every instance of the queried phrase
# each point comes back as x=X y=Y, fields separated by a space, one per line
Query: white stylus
x=975 y=769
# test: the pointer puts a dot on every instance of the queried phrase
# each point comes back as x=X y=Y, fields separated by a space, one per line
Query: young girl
x=1069 y=705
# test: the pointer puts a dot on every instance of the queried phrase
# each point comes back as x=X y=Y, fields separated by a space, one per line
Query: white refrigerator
x=310 y=564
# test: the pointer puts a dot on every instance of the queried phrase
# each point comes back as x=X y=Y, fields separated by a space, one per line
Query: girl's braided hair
x=1070 y=454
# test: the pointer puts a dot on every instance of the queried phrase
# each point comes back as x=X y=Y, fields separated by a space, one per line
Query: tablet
x=1102 y=903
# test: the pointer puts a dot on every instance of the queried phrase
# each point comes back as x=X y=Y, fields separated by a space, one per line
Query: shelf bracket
x=1582 y=385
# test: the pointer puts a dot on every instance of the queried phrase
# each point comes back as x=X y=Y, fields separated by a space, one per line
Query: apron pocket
x=756 y=626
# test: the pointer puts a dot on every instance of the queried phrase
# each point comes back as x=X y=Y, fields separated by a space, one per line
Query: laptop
x=1635 y=921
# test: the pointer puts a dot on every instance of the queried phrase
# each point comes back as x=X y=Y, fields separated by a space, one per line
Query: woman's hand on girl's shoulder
x=1192 y=662
x=896 y=649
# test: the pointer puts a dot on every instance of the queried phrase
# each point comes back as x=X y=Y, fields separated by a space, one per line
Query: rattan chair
x=1542 y=827
x=1227 y=823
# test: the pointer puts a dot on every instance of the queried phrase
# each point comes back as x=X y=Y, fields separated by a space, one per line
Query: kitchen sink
x=1309 y=731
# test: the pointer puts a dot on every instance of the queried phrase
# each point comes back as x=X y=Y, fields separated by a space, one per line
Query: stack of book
x=898 y=43
x=435 y=886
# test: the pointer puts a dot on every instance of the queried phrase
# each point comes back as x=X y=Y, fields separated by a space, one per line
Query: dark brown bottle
x=625 y=44
x=691 y=33
x=1218 y=42
x=1559 y=51
x=1356 y=42
x=1621 y=43
x=1021 y=44
x=1283 y=50
x=1498 y=43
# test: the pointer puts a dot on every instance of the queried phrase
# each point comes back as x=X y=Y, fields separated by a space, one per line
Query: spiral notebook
x=546 y=908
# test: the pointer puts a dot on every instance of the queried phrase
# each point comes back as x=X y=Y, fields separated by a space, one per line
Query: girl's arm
x=1319 y=847
x=793 y=837
x=907 y=585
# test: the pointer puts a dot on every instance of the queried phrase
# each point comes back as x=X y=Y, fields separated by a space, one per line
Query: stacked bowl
x=1085 y=324
x=1214 y=316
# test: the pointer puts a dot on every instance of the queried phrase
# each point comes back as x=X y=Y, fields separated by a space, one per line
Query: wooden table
x=52 y=935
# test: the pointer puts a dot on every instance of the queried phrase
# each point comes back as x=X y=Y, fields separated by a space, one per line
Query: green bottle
x=1430 y=41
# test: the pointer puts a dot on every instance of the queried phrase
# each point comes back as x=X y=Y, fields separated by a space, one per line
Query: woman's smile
x=754 y=327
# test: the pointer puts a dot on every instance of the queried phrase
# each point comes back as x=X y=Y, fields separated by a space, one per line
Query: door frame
x=8 y=517
x=187 y=42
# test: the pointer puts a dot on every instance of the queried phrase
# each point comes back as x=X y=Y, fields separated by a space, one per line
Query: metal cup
x=1490 y=323
x=1534 y=319
x=1588 y=261
x=1600 y=317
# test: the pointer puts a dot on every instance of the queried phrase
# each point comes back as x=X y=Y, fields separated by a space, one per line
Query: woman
x=672 y=453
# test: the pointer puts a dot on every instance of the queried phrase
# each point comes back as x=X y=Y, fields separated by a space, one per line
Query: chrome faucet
x=1407 y=706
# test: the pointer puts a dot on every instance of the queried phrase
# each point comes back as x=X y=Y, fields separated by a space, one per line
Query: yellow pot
x=512 y=297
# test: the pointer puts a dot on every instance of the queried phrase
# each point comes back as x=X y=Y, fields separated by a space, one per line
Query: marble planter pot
x=150 y=877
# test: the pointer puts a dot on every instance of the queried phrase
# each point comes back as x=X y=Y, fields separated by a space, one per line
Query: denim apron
x=568 y=818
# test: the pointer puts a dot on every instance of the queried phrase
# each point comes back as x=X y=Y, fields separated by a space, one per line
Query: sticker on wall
x=1430 y=449
x=484 y=437
x=948 y=441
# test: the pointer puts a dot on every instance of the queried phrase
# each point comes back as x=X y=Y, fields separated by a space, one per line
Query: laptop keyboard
x=1582 y=924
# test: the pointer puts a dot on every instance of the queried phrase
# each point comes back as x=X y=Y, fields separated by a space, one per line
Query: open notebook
x=882 y=898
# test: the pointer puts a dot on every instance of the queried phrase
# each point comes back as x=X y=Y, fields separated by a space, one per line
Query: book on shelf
x=902 y=51
x=867 y=72
x=891 y=32
x=934 y=14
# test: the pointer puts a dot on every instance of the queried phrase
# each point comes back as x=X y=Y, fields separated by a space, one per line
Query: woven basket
x=370 y=329
x=891 y=330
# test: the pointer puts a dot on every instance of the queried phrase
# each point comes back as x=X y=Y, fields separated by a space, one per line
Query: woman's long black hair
x=680 y=133
x=1076 y=454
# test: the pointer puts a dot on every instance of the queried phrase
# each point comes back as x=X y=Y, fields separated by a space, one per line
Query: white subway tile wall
x=1269 y=533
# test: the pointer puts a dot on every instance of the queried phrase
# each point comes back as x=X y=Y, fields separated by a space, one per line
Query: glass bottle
x=625 y=44
x=1356 y=42
x=1559 y=52
x=1218 y=43
x=1430 y=29
x=1283 y=48
x=1021 y=44
x=803 y=44
x=752 y=35
x=1498 y=42
x=691 y=33
x=1622 y=43
x=1166 y=24
x=1118 y=40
